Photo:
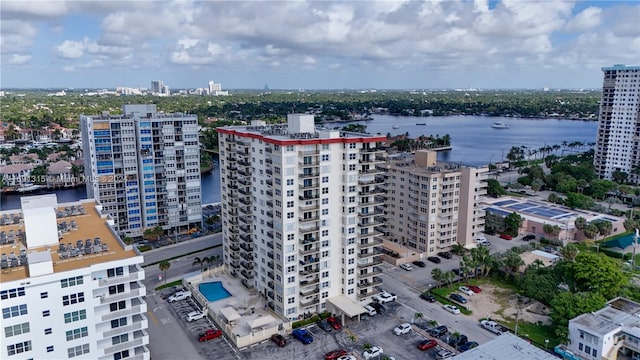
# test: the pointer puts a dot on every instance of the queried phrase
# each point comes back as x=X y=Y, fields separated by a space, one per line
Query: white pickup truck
x=385 y=297
x=180 y=295
x=494 y=327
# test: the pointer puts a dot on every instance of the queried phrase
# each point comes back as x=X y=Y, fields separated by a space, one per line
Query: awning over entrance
x=346 y=306
x=230 y=314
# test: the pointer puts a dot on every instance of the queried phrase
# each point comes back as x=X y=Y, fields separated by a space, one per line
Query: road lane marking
x=152 y=317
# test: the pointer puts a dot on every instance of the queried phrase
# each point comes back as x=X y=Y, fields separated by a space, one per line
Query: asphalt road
x=184 y=247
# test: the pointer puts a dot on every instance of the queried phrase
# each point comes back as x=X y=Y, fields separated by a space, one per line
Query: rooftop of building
x=75 y=222
x=299 y=127
x=617 y=313
x=506 y=346
x=537 y=210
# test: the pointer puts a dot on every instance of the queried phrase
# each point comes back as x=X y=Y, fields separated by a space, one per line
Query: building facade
x=432 y=206
x=144 y=168
x=69 y=288
x=300 y=207
x=607 y=333
x=618 y=141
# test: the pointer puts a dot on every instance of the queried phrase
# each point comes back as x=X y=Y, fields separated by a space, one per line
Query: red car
x=474 y=288
x=335 y=354
x=427 y=344
x=505 y=236
x=335 y=324
x=210 y=335
x=279 y=340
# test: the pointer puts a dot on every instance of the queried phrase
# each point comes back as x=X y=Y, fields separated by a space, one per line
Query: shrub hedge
x=310 y=320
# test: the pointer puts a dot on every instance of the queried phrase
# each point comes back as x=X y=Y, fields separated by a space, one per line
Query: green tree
x=199 y=261
x=590 y=231
x=482 y=258
x=495 y=189
x=551 y=230
x=512 y=223
x=512 y=262
x=597 y=273
x=567 y=305
x=580 y=223
x=579 y=201
x=437 y=275
x=569 y=252
x=164 y=265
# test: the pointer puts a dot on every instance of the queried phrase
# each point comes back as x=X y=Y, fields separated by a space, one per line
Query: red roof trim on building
x=302 y=141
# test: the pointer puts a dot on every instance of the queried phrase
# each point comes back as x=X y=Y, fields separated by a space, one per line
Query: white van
x=370 y=310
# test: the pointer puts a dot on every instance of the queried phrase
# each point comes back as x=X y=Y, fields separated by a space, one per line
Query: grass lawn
x=168 y=285
x=534 y=332
x=442 y=295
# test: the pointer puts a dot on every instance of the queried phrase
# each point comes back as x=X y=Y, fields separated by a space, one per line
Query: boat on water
x=421 y=123
x=499 y=125
x=28 y=187
x=396 y=126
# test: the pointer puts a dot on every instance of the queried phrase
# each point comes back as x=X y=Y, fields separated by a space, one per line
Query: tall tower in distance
x=617 y=141
x=157 y=86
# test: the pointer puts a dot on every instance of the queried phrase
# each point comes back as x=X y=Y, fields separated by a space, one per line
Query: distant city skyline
x=316 y=45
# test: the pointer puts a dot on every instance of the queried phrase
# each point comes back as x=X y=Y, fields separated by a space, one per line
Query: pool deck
x=248 y=303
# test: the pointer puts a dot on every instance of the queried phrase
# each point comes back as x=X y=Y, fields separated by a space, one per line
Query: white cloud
x=16 y=36
x=20 y=9
x=587 y=19
x=16 y=59
x=70 y=49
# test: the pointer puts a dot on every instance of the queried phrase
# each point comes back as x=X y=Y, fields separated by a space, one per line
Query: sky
x=361 y=44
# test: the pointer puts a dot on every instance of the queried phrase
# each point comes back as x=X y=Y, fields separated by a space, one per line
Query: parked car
x=452 y=309
x=434 y=259
x=335 y=324
x=210 y=335
x=419 y=263
x=195 y=315
x=370 y=310
x=459 y=298
x=427 y=344
x=347 y=357
x=444 y=354
x=438 y=331
x=380 y=309
x=467 y=346
x=180 y=295
x=279 y=340
x=465 y=290
x=322 y=324
x=406 y=267
x=474 y=288
x=528 y=237
x=385 y=297
x=427 y=297
x=403 y=328
x=303 y=336
x=375 y=351
x=445 y=254
x=506 y=236
x=335 y=354
x=484 y=243
x=457 y=340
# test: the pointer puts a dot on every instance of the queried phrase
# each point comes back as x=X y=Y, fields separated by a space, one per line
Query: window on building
x=16 y=329
x=47 y=331
x=50 y=348
x=73 y=299
x=77 y=333
x=14 y=311
x=78 y=350
x=12 y=293
x=44 y=295
x=19 y=348
x=117 y=306
x=119 y=339
x=118 y=322
x=75 y=316
x=46 y=313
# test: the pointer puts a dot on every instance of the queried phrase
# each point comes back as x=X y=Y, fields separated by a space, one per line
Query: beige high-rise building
x=430 y=205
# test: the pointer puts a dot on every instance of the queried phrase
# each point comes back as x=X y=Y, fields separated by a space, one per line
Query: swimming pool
x=213 y=291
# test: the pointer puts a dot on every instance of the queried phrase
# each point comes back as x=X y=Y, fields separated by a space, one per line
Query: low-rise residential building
x=15 y=175
x=607 y=333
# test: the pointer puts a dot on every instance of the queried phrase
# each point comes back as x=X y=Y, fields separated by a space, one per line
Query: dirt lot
x=502 y=304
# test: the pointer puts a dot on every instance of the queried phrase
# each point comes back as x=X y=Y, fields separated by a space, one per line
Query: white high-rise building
x=216 y=89
x=70 y=288
x=618 y=144
x=432 y=206
x=144 y=168
x=299 y=212
x=157 y=86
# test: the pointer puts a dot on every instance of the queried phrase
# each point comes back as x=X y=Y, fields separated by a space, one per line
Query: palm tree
x=437 y=275
x=367 y=346
x=417 y=316
x=450 y=276
x=164 y=265
x=569 y=252
x=580 y=223
x=481 y=256
x=198 y=261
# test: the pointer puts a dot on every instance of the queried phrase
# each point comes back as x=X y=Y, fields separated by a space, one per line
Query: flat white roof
x=545 y=254
x=347 y=306
x=506 y=347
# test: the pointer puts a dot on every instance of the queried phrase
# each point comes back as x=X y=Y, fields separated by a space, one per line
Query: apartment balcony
x=268 y=161
x=375 y=262
x=247 y=274
x=234 y=247
x=311 y=196
x=245 y=238
x=234 y=265
x=375 y=191
x=307 y=303
x=270 y=275
x=132 y=276
x=232 y=204
x=245 y=228
x=309 y=205
x=312 y=153
x=310 y=260
x=312 y=250
x=269 y=172
x=309 y=186
x=309 y=292
x=270 y=234
x=244 y=163
x=309 y=218
x=140 y=290
x=370 y=171
x=245 y=201
x=309 y=174
x=310 y=281
x=245 y=210
x=138 y=322
x=270 y=255
x=368 y=181
x=244 y=181
x=370 y=243
x=371 y=151
x=270 y=214
x=246 y=265
x=309 y=241
x=234 y=256
x=127 y=345
x=269 y=182
x=246 y=248
x=244 y=172
x=370 y=273
x=141 y=308
x=368 y=293
x=232 y=167
x=309 y=270
x=268 y=150
x=269 y=192
x=365 y=214
x=370 y=283
x=271 y=285
x=307 y=227
x=369 y=254
x=233 y=221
